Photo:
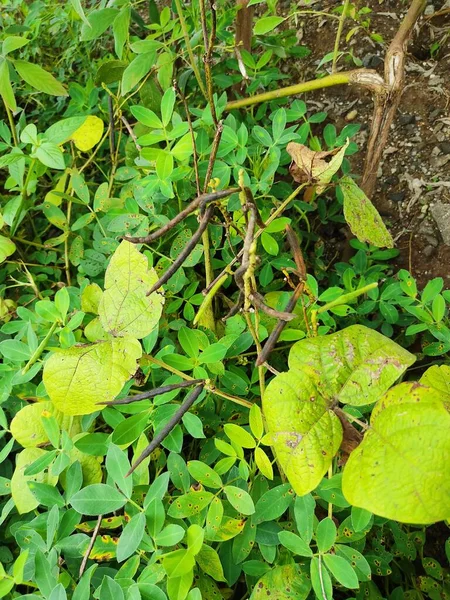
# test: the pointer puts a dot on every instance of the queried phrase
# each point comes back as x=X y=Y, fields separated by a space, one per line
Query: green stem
x=299 y=88
x=40 y=349
x=209 y=297
x=12 y=124
x=16 y=220
x=338 y=34
x=189 y=49
x=348 y=297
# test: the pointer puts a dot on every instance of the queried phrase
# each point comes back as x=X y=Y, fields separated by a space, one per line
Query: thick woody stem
x=386 y=104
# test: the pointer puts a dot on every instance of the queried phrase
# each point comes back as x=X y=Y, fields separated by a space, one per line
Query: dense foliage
x=163 y=436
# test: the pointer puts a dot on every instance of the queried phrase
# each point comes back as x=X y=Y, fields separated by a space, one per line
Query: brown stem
x=191 y=130
x=91 y=545
x=212 y=156
x=185 y=252
x=386 y=104
x=131 y=132
x=200 y=201
x=244 y=25
x=169 y=426
x=152 y=393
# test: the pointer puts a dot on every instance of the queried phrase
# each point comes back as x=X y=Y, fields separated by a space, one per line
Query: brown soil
x=418 y=149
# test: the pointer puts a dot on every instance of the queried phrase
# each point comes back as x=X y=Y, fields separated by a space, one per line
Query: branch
x=185 y=252
x=200 y=201
x=169 y=426
x=152 y=393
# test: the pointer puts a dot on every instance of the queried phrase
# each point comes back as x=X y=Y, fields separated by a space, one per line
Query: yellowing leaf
x=27 y=427
x=7 y=247
x=78 y=378
x=89 y=134
x=21 y=494
x=362 y=216
x=125 y=308
x=400 y=470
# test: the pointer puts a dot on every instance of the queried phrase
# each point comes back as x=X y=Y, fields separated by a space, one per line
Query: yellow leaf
x=89 y=134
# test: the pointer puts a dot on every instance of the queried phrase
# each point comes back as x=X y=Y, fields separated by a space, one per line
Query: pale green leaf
x=125 y=309
x=78 y=378
x=6 y=91
x=400 y=470
x=286 y=582
x=24 y=499
x=7 y=247
x=40 y=79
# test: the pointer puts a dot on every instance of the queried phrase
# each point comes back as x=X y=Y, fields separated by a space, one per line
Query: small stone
x=429 y=10
x=441 y=214
x=406 y=119
x=435 y=113
x=429 y=251
x=351 y=116
x=432 y=240
x=393 y=180
x=445 y=147
x=411 y=128
x=397 y=196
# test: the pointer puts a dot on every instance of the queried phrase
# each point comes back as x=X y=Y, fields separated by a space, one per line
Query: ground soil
x=415 y=173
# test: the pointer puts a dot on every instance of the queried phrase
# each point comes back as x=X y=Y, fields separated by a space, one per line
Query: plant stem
x=299 y=88
x=12 y=124
x=66 y=245
x=24 y=197
x=338 y=34
x=40 y=349
x=189 y=49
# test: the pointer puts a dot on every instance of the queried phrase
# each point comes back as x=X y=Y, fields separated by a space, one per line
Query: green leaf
x=304 y=513
x=355 y=366
x=50 y=155
x=321 y=580
x=266 y=24
x=294 y=543
x=7 y=248
x=362 y=217
x=6 y=90
x=213 y=353
x=62 y=131
x=209 y=562
x=137 y=70
x=164 y=164
x=273 y=503
x=326 y=534
x=270 y=244
x=263 y=463
x=239 y=499
x=41 y=80
x=178 y=587
x=438 y=378
x=356 y=559
x=256 y=421
x=204 y=474
x=76 y=5
x=97 y=23
x=341 y=570
x=24 y=499
x=78 y=378
x=146 y=116
x=120 y=29
x=170 y=535
x=125 y=309
x=189 y=504
x=43 y=574
x=286 y=582
x=178 y=562
x=46 y=494
x=360 y=518
x=167 y=104
x=13 y=42
x=131 y=537
x=110 y=72
x=392 y=473
x=184 y=148
x=239 y=435
x=97 y=499
x=194 y=538
x=110 y=590
x=244 y=542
